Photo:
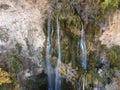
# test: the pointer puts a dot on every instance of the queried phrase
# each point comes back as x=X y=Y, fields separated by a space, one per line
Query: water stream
x=84 y=49
x=48 y=55
x=58 y=76
x=83 y=83
x=82 y=44
x=79 y=86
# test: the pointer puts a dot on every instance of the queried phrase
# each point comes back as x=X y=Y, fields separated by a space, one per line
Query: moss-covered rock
x=94 y=17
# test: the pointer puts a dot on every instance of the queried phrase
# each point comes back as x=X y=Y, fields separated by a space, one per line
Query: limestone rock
x=112 y=86
x=69 y=72
x=21 y=22
x=111 y=36
x=21 y=27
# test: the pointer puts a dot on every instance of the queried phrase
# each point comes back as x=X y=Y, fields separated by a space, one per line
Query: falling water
x=48 y=54
x=58 y=76
x=83 y=48
x=83 y=84
x=82 y=44
x=79 y=85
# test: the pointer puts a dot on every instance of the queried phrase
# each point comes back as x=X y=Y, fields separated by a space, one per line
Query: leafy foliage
x=110 y=4
x=4 y=77
x=114 y=56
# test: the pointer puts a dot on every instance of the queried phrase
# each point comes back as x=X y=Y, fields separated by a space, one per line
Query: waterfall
x=79 y=87
x=58 y=76
x=84 y=50
x=48 y=55
x=83 y=84
x=82 y=44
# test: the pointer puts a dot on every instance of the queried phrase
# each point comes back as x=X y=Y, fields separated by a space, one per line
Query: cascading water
x=83 y=58
x=78 y=88
x=58 y=76
x=48 y=54
x=84 y=50
x=83 y=84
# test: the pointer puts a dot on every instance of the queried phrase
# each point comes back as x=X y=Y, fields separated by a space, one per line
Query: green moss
x=110 y=4
x=15 y=61
x=69 y=21
x=113 y=55
x=18 y=47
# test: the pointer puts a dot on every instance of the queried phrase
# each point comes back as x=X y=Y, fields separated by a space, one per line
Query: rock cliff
x=111 y=35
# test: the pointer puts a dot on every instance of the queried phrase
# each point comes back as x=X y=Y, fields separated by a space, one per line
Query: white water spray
x=48 y=55
x=84 y=49
x=58 y=76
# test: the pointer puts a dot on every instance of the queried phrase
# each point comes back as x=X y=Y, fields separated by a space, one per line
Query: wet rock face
x=111 y=36
x=36 y=80
x=69 y=72
x=21 y=22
